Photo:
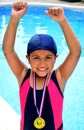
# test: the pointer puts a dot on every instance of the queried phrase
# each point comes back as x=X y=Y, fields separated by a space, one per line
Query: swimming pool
x=37 y=22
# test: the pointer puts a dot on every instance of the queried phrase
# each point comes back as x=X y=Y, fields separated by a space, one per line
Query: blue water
x=35 y=21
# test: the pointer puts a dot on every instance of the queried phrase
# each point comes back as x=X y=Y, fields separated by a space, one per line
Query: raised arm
x=18 y=10
x=67 y=67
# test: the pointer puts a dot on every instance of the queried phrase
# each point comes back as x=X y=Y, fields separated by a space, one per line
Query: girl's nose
x=42 y=62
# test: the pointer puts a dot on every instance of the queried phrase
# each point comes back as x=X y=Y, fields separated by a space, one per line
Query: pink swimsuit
x=53 y=105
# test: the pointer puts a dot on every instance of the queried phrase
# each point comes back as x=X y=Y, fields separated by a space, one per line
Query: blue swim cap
x=41 y=42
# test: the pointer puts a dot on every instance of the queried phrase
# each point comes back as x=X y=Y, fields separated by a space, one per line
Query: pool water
x=36 y=21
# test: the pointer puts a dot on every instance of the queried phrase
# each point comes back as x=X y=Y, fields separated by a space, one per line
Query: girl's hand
x=19 y=9
x=56 y=14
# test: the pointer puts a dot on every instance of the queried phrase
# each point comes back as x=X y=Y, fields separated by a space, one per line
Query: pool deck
x=9 y=119
x=48 y=2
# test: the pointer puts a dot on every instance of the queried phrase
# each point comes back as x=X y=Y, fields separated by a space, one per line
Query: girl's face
x=42 y=62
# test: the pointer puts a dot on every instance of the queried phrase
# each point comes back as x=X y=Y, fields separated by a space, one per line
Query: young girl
x=41 y=87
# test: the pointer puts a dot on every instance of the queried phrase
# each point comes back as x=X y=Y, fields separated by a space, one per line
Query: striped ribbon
x=39 y=112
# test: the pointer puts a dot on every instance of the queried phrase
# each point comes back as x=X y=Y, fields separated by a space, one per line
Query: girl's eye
x=48 y=57
x=35 y=58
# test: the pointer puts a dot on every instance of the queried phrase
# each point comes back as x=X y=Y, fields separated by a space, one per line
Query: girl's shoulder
x=27 y=75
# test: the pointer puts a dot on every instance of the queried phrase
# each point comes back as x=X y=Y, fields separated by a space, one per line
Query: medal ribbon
x=39 y=112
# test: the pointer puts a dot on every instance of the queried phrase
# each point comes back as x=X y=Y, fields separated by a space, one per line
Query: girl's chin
x=41 y=74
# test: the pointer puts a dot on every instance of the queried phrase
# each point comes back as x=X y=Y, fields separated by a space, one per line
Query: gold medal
x=39 y=123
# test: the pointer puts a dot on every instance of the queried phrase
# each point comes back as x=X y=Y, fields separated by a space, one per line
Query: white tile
x=9 y=119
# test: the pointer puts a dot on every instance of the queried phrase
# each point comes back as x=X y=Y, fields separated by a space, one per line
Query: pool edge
x=68 y=5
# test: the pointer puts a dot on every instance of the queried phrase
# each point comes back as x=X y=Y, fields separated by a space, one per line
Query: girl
x=41 y=87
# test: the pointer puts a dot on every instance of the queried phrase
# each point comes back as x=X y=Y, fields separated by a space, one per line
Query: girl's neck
x=39 y=81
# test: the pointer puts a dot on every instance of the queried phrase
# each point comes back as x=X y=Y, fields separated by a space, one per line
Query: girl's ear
x=28 y=58
x=56 y=56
